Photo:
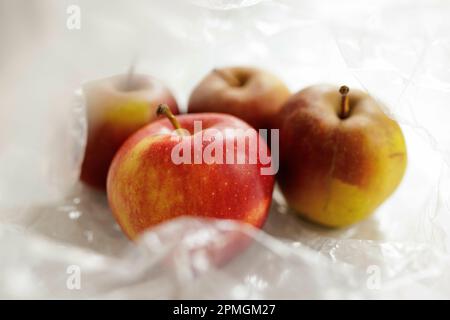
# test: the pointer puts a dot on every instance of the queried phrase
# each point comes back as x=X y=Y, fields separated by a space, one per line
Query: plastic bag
x=58 y=238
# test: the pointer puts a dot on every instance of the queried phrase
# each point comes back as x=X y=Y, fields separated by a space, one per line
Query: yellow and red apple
x=146 y=186
x=251 y=94
x=117 y=107
x=341 y=156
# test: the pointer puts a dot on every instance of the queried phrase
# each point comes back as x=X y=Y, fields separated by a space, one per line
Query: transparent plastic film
x=58 y=238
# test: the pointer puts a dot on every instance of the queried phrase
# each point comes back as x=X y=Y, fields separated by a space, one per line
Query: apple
x=149 y=184
x=251 y=94
x=116 y=107
x=341 y=156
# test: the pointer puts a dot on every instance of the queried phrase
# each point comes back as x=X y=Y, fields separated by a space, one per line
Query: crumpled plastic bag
x=58 y=238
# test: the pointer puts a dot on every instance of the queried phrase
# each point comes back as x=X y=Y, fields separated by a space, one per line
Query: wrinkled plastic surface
x=52 y=227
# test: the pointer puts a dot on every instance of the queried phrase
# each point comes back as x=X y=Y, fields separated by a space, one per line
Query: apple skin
x=256 y=98
x=113 y=114
x=334 y=171
x=145 y=187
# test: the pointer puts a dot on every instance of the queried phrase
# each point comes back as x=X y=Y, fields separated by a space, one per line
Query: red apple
x=148 y=185
x=341 y=156
x=251 y=94
x=117 y=107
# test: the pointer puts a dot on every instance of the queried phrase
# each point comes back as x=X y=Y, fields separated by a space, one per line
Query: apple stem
x=228 y=77
x=130 y=74
x=163 y=109
x=345 y=107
